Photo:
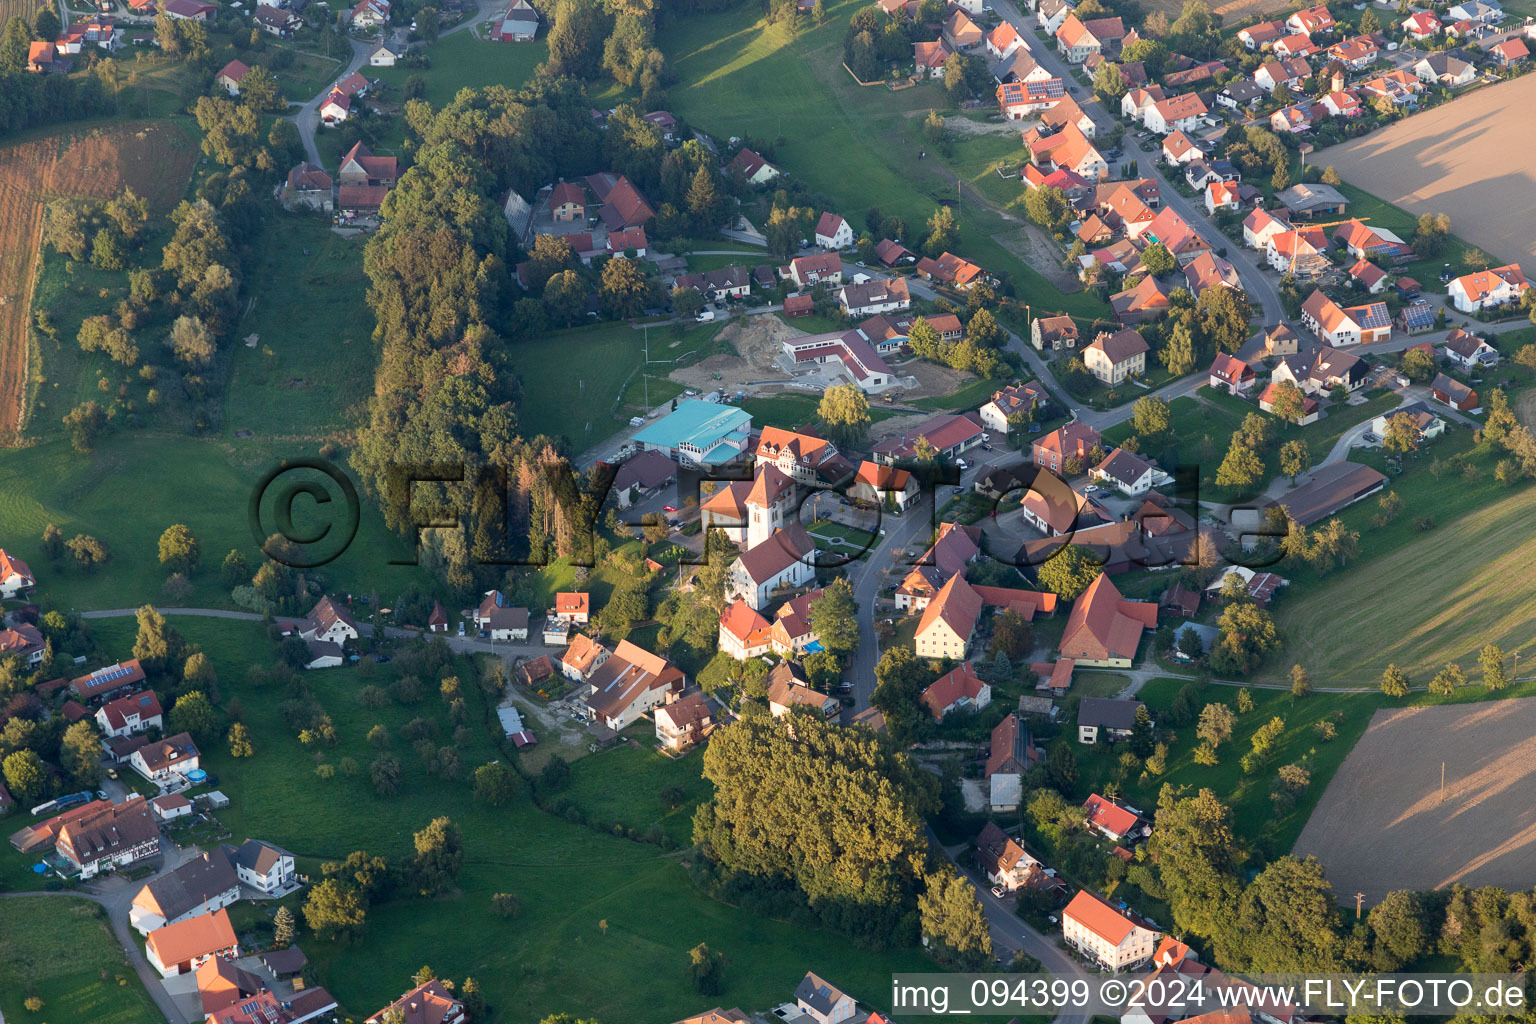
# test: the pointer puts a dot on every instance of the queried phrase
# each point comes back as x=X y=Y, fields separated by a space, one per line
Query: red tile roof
x=1105 y=625
x=1099 y=917
x=962 y=682
x=1109 y=816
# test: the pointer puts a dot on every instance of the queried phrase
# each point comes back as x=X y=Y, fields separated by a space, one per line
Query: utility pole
x=1442 y=784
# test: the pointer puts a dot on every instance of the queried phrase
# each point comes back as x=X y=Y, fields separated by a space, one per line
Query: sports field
x=1469 y=158
x=1384 y=823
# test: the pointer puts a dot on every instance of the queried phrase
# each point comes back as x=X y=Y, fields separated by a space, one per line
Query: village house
x=519 y=24
x=1444 y=69
x=950 y=436
x=1369 y=276
x=1055 y=509
x=1134 y=103
x=1291 y=72
x=25 y=641
x=683 y=723
x=1452 y=392
x=1078 y=40
x=15 y=576
x=496 y=619
x=960 y=31
x=262 y=866
x=1179 y=149
x=788 y=690
x=1469 y=351
x=167 y=761
x=1021 y=400
x=874 y=297
x=1129 y=474
x=753 y=168
x=1311 y=20
x=959 y=689
x=1356 y=53
x=183 y=947
x=1011 y=753
x=1340 y=326
x=1229 y=372
x=953 y=271
x=929 y=57
x=109 y=681
x=1113 y=357
x=1053 y=333
x=832 y=232
x=581 y=657
x=1296 y=45
x=1004 y=862
x=1021 y=98
x=199 y=886
x=1106 y=936
x=1484 y=289
x=108 y=837
x=1104 y=629
x=1427 y=426
x=170 y=806
x=823 y=1002
x=1100 y=717
x=629 y=683
x=887 y=486
x=136 y=712
x=1109 y=819
x=1050 y=15
x=1300 y=252
x=1510 y=52
x=1320 y=370
x=820 y=268
x=1072 y=441
x=1256 y=37
x=1176 y=113
x=328 y=622
x=230 y=76
x=428 y=1003
x=1310 y=407
x=309 y=186
x=643 y=475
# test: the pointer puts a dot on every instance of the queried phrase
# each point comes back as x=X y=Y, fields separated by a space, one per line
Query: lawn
x=623 y=785
x=716 y=261
x=604 y=922
x=972 y=396
x=301 y=378
x=461 y=61
x=572 y=379
x=739 y=76
x=61 y=950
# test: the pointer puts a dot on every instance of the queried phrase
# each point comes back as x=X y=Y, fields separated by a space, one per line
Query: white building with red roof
x=15 y=576
x=1108 y=818
x=1110 y=938
x=832 y=232
x=960 y=688
x=1485 y=288
x=137 y=712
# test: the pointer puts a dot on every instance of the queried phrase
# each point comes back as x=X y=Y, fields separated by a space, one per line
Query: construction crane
x=1326 y=224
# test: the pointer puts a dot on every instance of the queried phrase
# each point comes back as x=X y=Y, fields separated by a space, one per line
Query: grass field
x=88 y=162
x=604 y=921
x=571 y=378
x=61 y=950
x=461 y=61
x=972 y=396
x=624 y=785
x=742 y=77
x=301 y=379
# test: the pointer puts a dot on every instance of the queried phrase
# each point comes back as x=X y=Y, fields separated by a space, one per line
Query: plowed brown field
x=152 y=158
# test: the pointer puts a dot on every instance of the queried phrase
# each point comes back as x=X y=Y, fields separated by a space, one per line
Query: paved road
x=307 y=117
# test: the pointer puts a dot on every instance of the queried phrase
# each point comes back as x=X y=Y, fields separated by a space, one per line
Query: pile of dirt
x=756 y=340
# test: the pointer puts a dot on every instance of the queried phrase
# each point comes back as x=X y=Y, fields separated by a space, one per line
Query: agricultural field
x=1385 y=823
x=740 y=76
x=61 y=950
x=153 y=158
x=1463 y=158
x=604 y=921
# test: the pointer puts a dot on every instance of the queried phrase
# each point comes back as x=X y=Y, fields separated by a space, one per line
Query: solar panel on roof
x=1375 y=315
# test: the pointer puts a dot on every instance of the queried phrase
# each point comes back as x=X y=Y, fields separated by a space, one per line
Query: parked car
x=999 y=891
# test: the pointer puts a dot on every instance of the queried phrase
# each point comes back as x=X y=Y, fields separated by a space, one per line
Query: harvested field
x=1382 y=824
x=1470 y=158
x=153 y=158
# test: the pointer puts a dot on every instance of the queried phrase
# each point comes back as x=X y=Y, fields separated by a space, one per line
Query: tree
x=1399 y=931
x=198 y=671
x=1402 y=434
x=1069 y=571
x=982 y=330
x=45 y=23
x=1331 y=176
x=505 y=904
x=1048 y=207
x=565 y=297
x=1447 y=680
x=283 y=928
x=385 y=773
x=178 y=549
x=52 y=542
x=495 y=784
x=1151 y=417
x=1248 y=634
x=24 y=774
x=1197 y=857
x=1109 y=82
x=624 y=288
x=333 y=910
x=1216 y=722
x=1178 y=352
x=87 y=551
x=84 y=424
x=1158 y=261
x=14 y=44
x=235 y=571
x=705 y=967
x=1286 y=920
x=899 y=683
x=1301 y=682
x=1417 y=365
x=1011 y=635
x=703 y=198
x=439 y=855
x=1244 y=701
x=942 y=233
x=193 y=713
x=1492 y=660
x=240 y=741
x=1241 y=468
x=1281 y=179
x=834 y=618
x=1295 y=458
x=1394 y=682
x=80 y=752
x=259 y=90
x=844 y=411
x=952 y=919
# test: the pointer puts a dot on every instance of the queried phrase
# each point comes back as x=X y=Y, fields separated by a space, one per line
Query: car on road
x=669 y=508
x=101 y=794
x=1091 y=489
x=845 y=687
x=461 y=629
x=999 y=891
x=1143 y=135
